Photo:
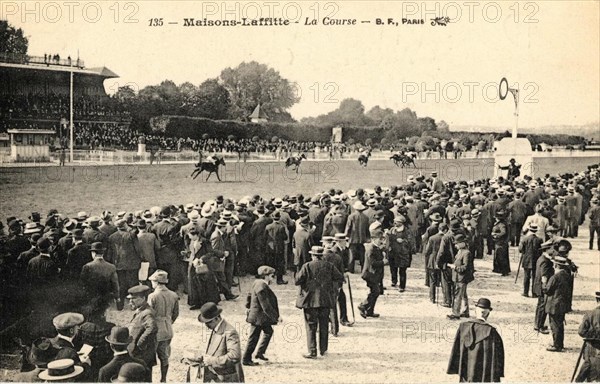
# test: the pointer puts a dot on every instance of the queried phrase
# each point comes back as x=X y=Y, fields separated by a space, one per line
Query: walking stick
x=519 y=268
x=351 y=301
x=578 y=361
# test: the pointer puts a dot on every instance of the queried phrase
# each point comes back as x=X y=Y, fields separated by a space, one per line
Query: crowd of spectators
x=54 y=107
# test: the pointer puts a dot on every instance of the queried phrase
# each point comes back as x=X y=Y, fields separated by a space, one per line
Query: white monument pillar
x=513 y=147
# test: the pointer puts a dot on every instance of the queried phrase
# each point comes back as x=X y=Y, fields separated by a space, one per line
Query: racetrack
x=136 y=187
x=412 y=339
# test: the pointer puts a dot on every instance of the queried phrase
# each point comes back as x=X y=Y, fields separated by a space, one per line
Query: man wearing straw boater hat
x=544 y=270
x=478 y=351
x=62 y=370
x=119 y=339
x=589 y=330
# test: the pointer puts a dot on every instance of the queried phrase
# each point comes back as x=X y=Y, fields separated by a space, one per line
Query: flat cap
x=67 y=320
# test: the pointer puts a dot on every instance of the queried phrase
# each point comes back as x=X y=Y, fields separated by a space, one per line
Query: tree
x=250 y=84
x=12 y=40
x=377 y=114
x=211 y=100
x=443 y=127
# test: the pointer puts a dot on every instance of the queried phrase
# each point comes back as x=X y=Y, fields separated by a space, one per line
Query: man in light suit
x=357 y=230
x=166 y=305
x=222 y=359
x=143 y=328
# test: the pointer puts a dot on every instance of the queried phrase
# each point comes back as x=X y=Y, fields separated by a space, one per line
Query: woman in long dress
x=203 y=283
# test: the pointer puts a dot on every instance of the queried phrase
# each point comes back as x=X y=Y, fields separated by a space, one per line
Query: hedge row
x=180 y=126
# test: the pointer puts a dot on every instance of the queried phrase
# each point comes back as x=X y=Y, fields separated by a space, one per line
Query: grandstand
x=35 y=95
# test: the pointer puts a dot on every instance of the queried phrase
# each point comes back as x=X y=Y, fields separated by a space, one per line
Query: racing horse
x=295 y=161
x=403 y=160
x=209 y=167
x=363 y=158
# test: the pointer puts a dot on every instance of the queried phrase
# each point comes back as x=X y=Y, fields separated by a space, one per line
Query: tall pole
x=71 y=116
x=514 y=132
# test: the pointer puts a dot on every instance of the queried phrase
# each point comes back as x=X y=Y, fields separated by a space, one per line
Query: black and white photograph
x=299 y=191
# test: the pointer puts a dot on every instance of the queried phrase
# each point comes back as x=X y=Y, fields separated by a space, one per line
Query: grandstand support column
x=71 y=117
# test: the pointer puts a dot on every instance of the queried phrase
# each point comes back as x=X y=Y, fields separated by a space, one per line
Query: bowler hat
x=208 y=312
x=131 y=373
x=97 y=247
x=119 y=336
x=484 y=303
x=42 y=352
x=597 y=294
x=563 y=246
x=43 y=244
x=160 y=276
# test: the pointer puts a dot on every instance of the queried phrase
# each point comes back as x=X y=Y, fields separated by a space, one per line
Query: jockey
x=212 y=159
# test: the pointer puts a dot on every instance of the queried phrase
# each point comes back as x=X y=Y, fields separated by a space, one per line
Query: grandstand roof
x=101 y=71
x=104 y=72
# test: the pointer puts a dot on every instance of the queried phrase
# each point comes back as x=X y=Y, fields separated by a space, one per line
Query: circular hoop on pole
x=503 y=81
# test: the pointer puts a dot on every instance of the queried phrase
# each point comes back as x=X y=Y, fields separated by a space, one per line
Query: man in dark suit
x=357 y=230
x=171 y=244
x=78 y=256
x=92 y=233
x=143 y=327
x=276 y=238
x=341 y=248
x=118 y=339
x=372 y=272
x=316 y=280
x=219 y=246
x=99 y=277
x=432 y=247
x=258 y=237
x=558 y=291
x=530 y=251
x=334 y=258
x=517 y=213
x=123 y=252
x=263 y=313
x=544 y=270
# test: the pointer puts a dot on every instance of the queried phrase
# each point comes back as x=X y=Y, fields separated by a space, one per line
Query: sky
x=550 y=50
